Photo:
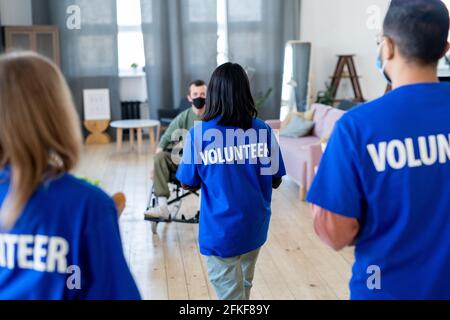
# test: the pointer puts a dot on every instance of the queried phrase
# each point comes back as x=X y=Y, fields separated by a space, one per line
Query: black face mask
x=199 y=103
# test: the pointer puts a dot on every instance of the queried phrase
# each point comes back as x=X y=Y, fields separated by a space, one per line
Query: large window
x=131 y=44
x=130 y=38
x=222 y=32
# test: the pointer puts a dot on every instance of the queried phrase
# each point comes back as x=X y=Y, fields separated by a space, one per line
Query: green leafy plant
x=325 y=97
x=259 y=103
x=134 y=66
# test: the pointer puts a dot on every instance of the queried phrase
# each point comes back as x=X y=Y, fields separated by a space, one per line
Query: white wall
x=344 y=27
x=16 y=12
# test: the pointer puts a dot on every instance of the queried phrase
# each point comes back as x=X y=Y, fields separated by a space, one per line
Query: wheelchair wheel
x=175 y=207
x=152 y=200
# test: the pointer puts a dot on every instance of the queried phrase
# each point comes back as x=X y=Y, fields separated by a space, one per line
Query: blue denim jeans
x=232 y=278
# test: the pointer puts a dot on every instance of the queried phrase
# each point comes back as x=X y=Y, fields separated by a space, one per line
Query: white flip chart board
x=97 y=104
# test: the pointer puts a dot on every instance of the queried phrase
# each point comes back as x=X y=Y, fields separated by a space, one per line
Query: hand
x=189 y=188
x=120 y=200
x=152 y=174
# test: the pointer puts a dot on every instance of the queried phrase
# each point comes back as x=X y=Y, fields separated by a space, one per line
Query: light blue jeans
x=232 y=278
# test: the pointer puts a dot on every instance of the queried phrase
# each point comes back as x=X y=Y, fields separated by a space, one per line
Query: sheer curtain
x=89 y=55
x=258 y=31
x=180 y=38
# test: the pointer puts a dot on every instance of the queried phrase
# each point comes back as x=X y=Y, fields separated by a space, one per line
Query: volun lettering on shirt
x=411 y=153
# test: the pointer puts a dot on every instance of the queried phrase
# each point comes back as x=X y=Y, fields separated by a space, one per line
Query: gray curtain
x=258 y=31
x=180 y=38
x=89 y=56
x=40 y=12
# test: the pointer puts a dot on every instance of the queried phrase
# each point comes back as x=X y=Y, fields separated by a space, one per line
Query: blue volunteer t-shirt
x=388 y=166
x=234 y=169
x=65 y=245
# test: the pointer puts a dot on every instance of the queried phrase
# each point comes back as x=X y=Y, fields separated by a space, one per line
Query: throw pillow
x=308 y=115
x=298 y=127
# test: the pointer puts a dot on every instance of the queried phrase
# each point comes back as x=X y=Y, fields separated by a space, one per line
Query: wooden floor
x=293 y=265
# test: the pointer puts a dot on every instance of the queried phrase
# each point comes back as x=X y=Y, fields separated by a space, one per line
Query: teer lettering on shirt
x=400 y=154
x=38 y=253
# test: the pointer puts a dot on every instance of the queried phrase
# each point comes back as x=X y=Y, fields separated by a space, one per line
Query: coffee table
x=137 y=126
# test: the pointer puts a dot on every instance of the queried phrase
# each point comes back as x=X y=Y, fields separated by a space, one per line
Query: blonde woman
x=59 y=236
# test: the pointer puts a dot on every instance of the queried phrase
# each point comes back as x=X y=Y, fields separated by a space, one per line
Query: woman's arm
x=105 y=270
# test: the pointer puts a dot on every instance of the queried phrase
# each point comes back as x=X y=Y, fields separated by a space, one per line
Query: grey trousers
x=232 y=278
x=164 y=167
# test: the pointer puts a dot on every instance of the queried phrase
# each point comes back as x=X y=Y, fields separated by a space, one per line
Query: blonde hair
x=40 y=133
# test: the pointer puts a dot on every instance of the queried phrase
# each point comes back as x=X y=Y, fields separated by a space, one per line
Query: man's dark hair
x=196 y=83
x=230 y=98
x=419 y=28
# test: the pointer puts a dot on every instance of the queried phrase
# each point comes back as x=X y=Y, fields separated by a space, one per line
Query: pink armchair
x=303 y=155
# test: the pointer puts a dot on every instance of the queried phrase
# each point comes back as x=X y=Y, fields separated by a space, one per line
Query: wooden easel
x=97 y=113
x=97 y=130
x=346 y=60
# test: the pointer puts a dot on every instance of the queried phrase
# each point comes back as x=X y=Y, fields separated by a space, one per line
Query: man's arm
x=335 y=230
x=166 y=139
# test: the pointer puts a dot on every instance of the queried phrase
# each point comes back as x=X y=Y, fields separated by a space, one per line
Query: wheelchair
x=178 y=194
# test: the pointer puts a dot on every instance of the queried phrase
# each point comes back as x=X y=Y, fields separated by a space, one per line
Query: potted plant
x=134 y=67
x=325 y=97
x=263 y=98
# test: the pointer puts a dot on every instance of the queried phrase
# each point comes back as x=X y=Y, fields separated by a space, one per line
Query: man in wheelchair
x=165 y=168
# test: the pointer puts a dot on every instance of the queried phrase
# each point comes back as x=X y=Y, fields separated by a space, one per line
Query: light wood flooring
x=294 y=264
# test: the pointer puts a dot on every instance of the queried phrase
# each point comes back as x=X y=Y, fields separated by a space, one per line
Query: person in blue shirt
x=384 y=181
x=235 y=159
x=59 y=236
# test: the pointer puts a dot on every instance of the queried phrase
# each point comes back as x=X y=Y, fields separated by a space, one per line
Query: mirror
x=296 y=89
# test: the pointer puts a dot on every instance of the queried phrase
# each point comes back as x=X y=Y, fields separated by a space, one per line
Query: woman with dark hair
x=235 y=159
